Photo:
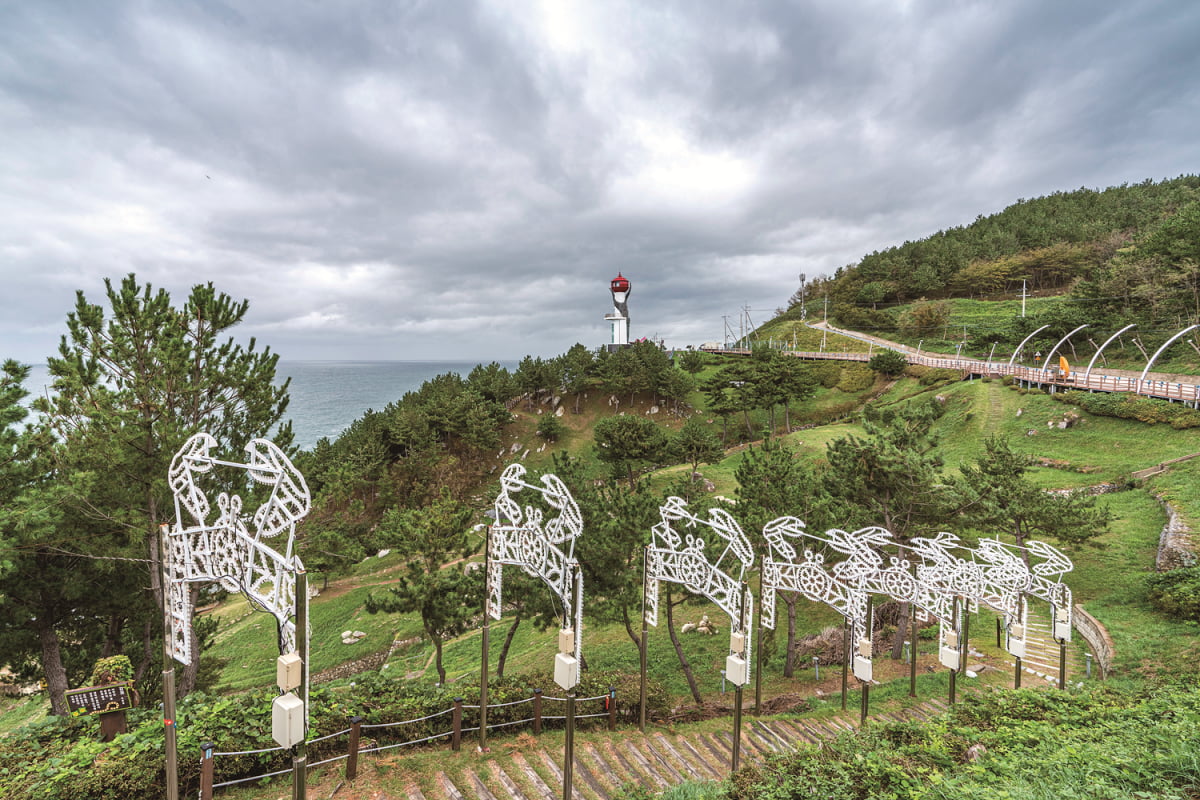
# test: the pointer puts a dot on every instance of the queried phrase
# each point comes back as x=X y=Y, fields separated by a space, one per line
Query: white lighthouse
x=620 y=313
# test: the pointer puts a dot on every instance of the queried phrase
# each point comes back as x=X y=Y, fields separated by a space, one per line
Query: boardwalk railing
x=1095 y=381
x=453 y=717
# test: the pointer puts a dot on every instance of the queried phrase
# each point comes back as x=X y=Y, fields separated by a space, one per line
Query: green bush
x=63 y=758
x=935 y=375
x=1176 y=593
x=856 y=378
x=826 y=373
x=1129 y=406
x=888 y=362
x=1099 y=743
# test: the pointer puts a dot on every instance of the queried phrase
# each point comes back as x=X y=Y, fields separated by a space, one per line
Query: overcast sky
x=443 y=179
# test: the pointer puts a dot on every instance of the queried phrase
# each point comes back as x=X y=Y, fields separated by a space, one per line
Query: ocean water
x=326 y=396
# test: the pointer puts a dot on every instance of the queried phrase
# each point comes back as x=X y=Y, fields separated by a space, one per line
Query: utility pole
x=1024 y=294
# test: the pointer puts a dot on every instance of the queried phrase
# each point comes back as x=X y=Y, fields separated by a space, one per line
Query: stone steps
x=606 y=763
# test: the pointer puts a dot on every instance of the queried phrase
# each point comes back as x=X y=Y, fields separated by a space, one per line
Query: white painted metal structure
x=682 y=559
x=544 y=548
x=201 y=548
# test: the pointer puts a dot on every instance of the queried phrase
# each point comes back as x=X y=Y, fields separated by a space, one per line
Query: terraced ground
x=606 y=762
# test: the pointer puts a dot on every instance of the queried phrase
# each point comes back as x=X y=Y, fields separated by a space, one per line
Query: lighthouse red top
x=620 y=284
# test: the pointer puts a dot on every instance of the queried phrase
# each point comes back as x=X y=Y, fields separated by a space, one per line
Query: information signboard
x=100 y=699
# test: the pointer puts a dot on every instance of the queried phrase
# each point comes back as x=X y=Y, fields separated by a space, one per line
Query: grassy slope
x=1096 y=450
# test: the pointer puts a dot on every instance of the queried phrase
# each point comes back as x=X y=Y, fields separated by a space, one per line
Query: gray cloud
x=461 y=179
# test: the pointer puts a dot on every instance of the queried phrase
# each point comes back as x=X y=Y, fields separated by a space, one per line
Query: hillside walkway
x=607 y=762
x=1178 y=388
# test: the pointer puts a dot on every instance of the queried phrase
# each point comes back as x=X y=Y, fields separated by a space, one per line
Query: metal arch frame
x=1101 y=350
x=224 y=551
x=1060 y=344
x=1024 y=342
x=1159 y=352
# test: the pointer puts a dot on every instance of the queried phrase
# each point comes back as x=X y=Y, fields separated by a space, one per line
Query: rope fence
x=357 y=726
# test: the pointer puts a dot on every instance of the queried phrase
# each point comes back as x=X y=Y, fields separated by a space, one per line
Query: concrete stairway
x=1042 y=652
x=606 y=762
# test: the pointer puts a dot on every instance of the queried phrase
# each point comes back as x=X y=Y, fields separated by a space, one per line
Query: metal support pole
x=486 y=642
x=998 y=643
x=569 y=747
x=912 y=655
x=758 y=656
x=866 y=689
x=845 y=658
x=957 y=625
x=737 y=728
x=1062 y=664
x=645 y=637
x=537 y=712
x=168 y=676
x=1017 y=674
x=612 y=708
x=300 y=753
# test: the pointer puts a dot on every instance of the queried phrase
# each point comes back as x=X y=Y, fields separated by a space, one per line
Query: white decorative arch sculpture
x=223 y=550
x=544 y=548
x=681 y=559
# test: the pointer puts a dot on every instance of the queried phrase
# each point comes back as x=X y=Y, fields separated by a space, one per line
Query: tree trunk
x=187 y=679
x=147 y=651
x=789 y=661
x=901 y=630
x=683 y=662
x=112 y=641
x=636 y=638
x=437 y=649
x=749 y=427
x=52 y=666
x=512 y=631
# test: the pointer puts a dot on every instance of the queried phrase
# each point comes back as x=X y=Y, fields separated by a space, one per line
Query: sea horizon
x=327 y=395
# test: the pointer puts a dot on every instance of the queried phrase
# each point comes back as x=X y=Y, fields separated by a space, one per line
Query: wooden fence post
x=206 y=770
x=537 y=711
x=352 y=754
x=456 y=736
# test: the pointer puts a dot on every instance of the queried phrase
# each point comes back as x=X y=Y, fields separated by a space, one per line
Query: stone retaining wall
x=1175 y=548
x=1097 y=638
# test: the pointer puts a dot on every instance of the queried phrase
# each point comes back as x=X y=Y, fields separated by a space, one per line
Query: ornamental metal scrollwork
x=224 y=550
x=543 y=548
x=681 y=558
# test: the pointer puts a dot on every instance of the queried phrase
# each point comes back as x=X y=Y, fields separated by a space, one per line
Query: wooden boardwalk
x=1181 y=389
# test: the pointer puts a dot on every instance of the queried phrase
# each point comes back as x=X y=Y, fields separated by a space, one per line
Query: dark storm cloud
x=462 y=179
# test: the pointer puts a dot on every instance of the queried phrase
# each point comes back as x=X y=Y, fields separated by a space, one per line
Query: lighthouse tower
x=620 y=313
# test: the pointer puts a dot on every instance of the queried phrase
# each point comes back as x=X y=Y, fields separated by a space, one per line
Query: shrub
x=935 y=375
x=1128 y=406
x=1176 y=593
x=856 y=378
x=888 y=362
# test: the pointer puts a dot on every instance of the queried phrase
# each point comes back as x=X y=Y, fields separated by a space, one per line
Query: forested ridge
x=1124 y=254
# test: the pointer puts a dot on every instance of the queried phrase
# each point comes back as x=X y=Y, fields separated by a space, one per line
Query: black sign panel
x=100 y=699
